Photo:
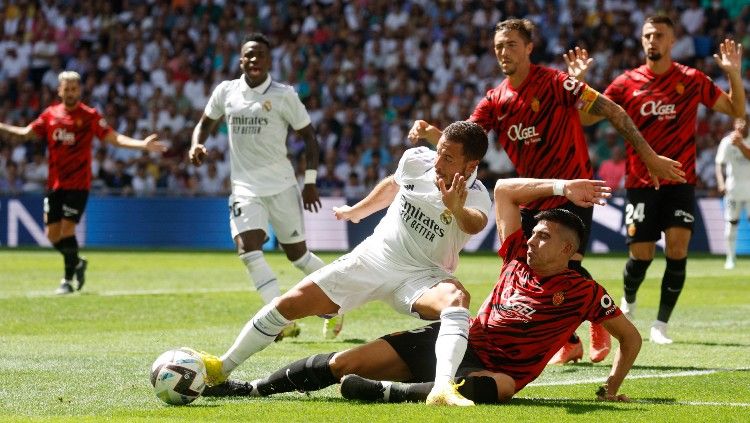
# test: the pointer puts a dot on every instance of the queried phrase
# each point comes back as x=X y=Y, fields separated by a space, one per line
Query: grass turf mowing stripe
x=646 y=401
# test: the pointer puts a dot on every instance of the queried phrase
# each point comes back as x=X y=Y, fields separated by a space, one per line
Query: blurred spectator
x=11 y=183
x=143 y=183
x=119 y=181
x=35 y=174
x=612 y=170
x=354 y=189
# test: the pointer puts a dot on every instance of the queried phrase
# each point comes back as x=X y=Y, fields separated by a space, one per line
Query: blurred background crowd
x=365 y=69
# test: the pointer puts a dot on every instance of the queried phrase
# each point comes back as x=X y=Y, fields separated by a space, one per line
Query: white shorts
x=358 y=278
x=282 y=210
x=733 y=207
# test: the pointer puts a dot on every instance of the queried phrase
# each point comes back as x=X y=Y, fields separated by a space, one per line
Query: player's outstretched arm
x=379 y=198
x=204 y=127
x=630 y=344
x=150 y=143
x=310 y=196
x=511 y=193
x=658 y=166
x=423 y=130
x=16 y=133
x=730 y=61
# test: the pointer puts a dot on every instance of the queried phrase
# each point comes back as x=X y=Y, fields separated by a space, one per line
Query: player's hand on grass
x=578 y=62
x=454 y=197
x=152 y=144
x=603 y=395
x=665 y=168
x=311 y=198
x=197 y=154
x=730 y=57
x=345 y=213
x=586 y=192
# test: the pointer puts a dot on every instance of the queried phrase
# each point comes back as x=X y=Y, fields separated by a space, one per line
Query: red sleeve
x=601 y=307
x=513 y=247
x=567 y=88
x=484 y=112
x=614 y=90
x=99 y=126
x=709 y=91
x=39 y=125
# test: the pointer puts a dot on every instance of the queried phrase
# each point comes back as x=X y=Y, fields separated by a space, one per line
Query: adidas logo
x=295 y=233
x=409 y=187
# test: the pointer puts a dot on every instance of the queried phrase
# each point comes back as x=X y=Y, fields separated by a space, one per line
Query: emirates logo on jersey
x=659 y=109
x=527 y=135
x=63 y=136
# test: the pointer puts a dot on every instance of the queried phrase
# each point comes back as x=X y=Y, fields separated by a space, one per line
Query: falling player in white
x=734 y=156
x=434 y=206
x=258 y=112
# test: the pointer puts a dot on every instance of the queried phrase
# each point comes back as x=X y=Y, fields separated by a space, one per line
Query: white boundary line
x=686 y=373
x=118 y=293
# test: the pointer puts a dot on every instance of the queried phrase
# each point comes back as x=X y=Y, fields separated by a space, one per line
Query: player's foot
x=628 y=309
x=64 y=288
x=569 y=352
x=659 y=333
x=332 y=326
x=600 y=344
x=81 y=272
x=231 y=388
x=291 y=330
x=214 y=372
x=355 y=387
x=447 y=394
x=729 y=264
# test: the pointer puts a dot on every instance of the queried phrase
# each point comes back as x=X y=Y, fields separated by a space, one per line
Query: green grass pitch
x=86 y=357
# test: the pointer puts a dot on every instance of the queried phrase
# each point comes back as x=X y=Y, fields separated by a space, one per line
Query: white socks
x=450 y=345
x=263 y=277
x=257 y=334
x=730 y=234
x=308 y=263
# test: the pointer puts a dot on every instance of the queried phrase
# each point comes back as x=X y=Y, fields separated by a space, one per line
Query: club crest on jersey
x=679 y=88
x=446 y=217
x=534 y=104
x=267 y=105
x=558 y=298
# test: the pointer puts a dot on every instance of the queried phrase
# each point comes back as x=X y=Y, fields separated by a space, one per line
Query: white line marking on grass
x=657 y=402
x=118 y=293
x=685 y=373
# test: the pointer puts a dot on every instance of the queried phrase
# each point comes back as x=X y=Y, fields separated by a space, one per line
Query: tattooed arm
x=658 y=166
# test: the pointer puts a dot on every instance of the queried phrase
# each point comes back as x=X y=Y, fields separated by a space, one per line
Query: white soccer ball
x=178 y=377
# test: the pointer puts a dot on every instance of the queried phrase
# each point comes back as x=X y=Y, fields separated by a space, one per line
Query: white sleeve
x=414 y=161
x=721 y=152
x=295 y=112
x=478 y=198
x=215 y=106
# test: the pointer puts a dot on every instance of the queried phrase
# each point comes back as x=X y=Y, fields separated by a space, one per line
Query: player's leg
x=732 y=209
x=63 y=211
x=448 y=301
x=643 y=230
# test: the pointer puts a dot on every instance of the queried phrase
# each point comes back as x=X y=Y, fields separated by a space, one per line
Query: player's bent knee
x=454 y=294
x=343 y=364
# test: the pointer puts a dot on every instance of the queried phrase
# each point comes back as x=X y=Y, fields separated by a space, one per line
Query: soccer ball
x=178 y=377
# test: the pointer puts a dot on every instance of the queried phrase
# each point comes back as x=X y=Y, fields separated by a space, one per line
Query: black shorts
x=649 y=212
x=417 y=348
x=585 y=213
x=65 y=204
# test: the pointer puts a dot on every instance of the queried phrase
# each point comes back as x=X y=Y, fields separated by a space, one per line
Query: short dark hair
x=524 y=27
x=257 y=37
x=660 y=19
x=566 y=218
x=470 y=135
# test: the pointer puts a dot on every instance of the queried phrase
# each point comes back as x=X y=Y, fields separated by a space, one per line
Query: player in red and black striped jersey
x=69 y=128
x=534 y=112
x=535 y=305
x=662 y=98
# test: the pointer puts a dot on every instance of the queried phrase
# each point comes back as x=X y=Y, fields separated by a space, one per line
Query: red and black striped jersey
x=665 y=110
x=527 y=318
x=69 y=135
x=538 y=126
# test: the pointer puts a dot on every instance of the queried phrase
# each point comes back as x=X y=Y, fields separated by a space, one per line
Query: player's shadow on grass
x=714 y=344
x=573 y=406
x=345 y=341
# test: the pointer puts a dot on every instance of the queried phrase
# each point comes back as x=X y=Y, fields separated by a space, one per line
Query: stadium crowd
x=365 y=69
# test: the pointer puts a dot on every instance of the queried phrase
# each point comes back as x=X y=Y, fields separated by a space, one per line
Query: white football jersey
x=257 y=120
x=737 y=168
x=418 y=231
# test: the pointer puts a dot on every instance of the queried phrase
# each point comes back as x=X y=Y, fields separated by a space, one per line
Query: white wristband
x=311 y=176
x=558 y=187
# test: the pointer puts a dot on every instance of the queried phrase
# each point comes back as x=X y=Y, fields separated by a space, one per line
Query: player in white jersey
x=434 y=205
x=734 y=156
x=258 y=112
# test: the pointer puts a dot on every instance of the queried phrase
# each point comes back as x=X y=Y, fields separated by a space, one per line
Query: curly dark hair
x=257 y=37
x=470 y=135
